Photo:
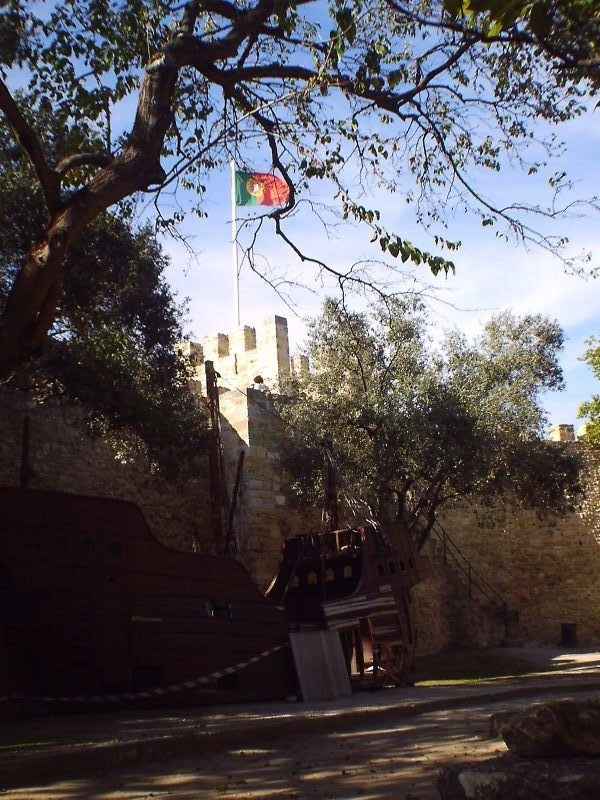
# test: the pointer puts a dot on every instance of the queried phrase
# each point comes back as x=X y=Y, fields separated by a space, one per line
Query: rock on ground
x=507 y=778
x=560 y=728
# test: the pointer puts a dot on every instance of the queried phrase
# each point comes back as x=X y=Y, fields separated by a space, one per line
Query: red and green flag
x=260 y=189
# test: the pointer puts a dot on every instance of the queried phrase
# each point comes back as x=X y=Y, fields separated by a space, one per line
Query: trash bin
x=568 y=634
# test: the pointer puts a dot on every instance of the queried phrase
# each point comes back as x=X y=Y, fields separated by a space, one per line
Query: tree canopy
x=411 y=425
x=590 y=410
x=113 y=342
x=355 y=93
x=566 y=30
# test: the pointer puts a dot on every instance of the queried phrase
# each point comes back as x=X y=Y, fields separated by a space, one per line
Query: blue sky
x=491 y=275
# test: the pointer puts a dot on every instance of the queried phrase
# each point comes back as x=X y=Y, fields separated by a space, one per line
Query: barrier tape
x=159 y=692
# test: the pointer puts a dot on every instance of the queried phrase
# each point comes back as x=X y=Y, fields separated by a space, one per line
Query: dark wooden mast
x=217 y=480
x=25 y=472
x=330 y=508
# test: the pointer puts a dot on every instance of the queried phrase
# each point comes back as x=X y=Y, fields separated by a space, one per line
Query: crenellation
x=562 y=433
x=300 y=365
x=215 y=347
x=247 y=356
x=243 y=339
x=272 y=343
x=191 y=350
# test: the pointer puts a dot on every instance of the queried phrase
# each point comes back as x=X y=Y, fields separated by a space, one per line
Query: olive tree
x=590 y=410
x=412 y=425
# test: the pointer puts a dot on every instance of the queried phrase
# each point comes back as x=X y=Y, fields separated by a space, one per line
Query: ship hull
x=355 y=582
x=94 y=610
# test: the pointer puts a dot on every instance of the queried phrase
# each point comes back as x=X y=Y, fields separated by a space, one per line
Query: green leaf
x=394 y=248
x=540 y=19
x=345 y=20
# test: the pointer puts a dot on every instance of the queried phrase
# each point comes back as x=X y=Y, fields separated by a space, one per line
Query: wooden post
x=376 y=660
x=360 y=656
x=470 y=582
x=347 y=640
x=218 y=487
x=230 y=543
x=331 y=495
x=25 y=471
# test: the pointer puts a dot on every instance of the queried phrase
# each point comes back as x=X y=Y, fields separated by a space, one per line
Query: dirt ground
x=462 y=666
x=371 y=762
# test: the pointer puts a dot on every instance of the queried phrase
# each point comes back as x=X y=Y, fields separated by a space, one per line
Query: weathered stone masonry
x=546 y=566
x=64 y=457
x=250 y=363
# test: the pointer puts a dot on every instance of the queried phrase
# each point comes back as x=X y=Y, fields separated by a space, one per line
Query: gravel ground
x=398 y=760
x=555 y=659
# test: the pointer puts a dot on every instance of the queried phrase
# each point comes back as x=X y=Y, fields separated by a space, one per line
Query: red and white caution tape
x=149 y=693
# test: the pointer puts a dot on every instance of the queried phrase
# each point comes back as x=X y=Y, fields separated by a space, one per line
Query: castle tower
x=562 y=433
x=250 y=362
x=244 y=354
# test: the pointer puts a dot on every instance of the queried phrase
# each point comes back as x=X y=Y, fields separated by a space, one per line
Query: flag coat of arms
x=260 y=189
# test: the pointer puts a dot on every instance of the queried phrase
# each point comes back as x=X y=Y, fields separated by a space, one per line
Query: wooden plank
x=82 y=569
x=320 y=665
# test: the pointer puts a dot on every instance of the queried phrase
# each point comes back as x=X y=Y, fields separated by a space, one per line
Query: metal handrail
x=474 y=578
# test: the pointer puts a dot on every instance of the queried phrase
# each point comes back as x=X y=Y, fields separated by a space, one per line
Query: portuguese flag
x=260 y=189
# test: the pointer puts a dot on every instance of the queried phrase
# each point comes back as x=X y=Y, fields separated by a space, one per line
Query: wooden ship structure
x=356 y=582
x=93 y=607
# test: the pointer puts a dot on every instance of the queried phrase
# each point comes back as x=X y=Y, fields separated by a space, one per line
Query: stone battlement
x=247 y=356
x=249 y=360
x=562 y=433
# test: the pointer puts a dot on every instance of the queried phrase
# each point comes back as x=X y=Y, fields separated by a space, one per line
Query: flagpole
x=236 y=268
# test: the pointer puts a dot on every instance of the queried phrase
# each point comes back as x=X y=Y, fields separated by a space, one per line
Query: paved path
x=380 y=757
x=54 y=734
x=554 y=659
x=36 y=750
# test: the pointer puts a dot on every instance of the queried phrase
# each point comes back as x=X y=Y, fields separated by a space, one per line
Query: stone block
x=300 y=365
x=507 y=778
x=560 y=728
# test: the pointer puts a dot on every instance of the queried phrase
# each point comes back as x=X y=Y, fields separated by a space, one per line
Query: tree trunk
x=32 y=303
x=31 y=306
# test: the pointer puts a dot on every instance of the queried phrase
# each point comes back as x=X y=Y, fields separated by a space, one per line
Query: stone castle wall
x=547 y=567
x=64 y=457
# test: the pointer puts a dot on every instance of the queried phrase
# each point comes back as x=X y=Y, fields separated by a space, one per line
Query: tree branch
x=29 y=141
x=79 y=160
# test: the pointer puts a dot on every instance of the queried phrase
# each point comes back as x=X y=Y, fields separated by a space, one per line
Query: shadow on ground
x=501 y=663
x=373 y=762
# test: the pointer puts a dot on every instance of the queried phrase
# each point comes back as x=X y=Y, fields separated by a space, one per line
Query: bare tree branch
x=29 y=141
x=79 y=160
